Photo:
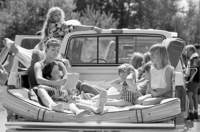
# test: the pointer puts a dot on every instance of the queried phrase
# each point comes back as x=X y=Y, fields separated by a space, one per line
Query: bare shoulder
x=38 y=64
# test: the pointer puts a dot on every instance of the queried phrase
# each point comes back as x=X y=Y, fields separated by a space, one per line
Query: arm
x=86 y=27
x=148 y=91
x=116 y=83
x=168 y=76
x=191 y=69
x=131 y=81
x=63 y=68
x=42 y=81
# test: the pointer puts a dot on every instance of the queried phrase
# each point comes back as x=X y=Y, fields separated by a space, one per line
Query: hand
x=66 y=62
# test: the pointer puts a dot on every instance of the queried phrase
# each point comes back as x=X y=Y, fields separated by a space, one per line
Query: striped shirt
x=128 y=95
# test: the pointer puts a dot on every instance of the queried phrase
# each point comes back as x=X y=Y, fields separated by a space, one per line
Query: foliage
x=96 y=18
x=27 y=16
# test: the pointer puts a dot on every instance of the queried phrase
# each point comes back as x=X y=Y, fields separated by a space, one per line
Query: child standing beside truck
x=192 y=76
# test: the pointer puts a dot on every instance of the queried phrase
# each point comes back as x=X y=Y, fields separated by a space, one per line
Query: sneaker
x=195 y=115
x=190 y=116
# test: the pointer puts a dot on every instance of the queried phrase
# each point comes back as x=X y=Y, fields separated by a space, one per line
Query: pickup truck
x=96 y=55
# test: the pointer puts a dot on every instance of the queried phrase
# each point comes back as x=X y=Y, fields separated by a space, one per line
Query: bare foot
x=10 y=45
x=58 y=107
x=101 y=102
x=7 y=42
x=82 y=112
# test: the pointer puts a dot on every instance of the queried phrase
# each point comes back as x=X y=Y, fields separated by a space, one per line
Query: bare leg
x=86 y=104
x=118 y=103
x=152 y=101
x=142 y=98
x=195 y=98
x=191 y=103
x=101 y=102
x=77 y=111
x=47 y=100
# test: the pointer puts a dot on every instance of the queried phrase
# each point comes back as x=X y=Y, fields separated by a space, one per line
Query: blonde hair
x=127 y=68
x=51 y=11
x=161 y=52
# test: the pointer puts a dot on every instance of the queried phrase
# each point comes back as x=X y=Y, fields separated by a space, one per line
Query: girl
x=161 y=73
x=193 y=80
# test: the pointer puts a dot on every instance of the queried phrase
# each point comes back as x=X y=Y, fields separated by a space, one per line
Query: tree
x=115 y=7
x=96 y=18
x=27 y=17
x=187 y=24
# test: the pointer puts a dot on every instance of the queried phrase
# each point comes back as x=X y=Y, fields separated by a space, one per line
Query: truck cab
x=96 y=55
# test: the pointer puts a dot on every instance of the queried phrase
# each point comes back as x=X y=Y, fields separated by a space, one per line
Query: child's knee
x=41 y=92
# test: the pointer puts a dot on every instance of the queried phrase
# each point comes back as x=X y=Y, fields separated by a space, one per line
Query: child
x=161 y=73
x=143 y=83
x=128 y=91
x=136 y=60
x=52 y=72
x=193 y=80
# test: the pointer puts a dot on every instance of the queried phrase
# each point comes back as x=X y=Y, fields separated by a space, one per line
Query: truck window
x=130 y=44
x=29 y=43
x=109 y=50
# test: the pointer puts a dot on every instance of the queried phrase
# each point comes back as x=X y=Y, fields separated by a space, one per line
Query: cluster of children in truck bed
x=146 y=80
